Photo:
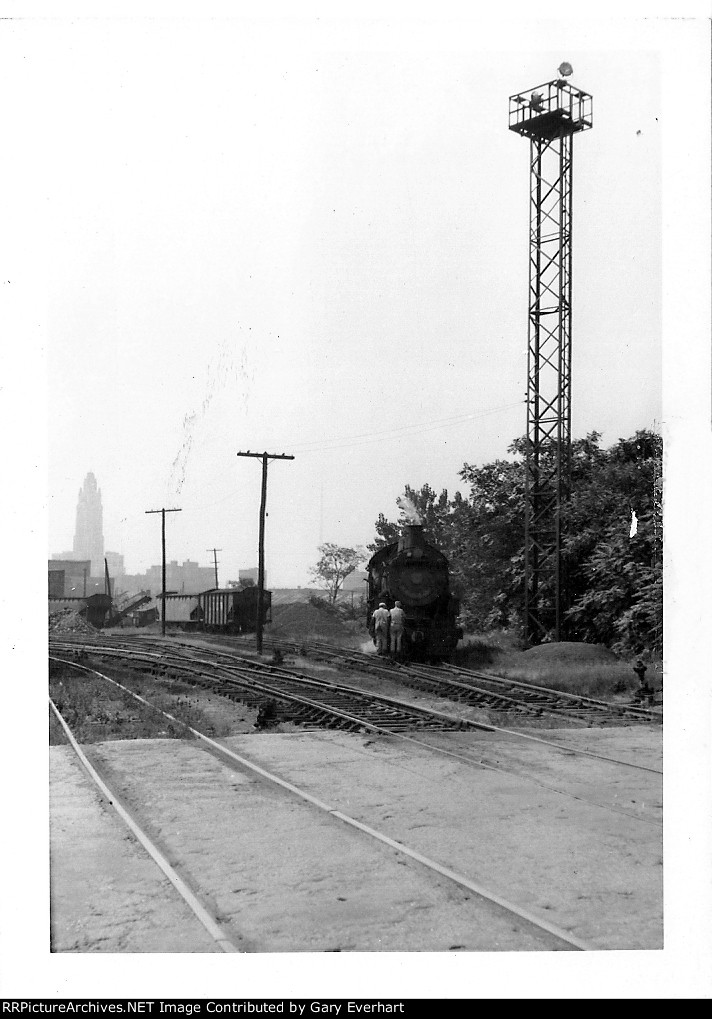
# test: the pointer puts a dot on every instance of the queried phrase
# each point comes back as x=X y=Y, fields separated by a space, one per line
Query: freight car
x=233 y=610
x=228 y=610
x=415 y=573
x=181 y=610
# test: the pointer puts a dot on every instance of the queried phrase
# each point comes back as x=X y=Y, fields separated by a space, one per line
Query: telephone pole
x=265 y=458
x=163 y=548
x=215 y=557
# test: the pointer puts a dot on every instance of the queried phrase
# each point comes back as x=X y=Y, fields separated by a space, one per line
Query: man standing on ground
x=397 y=616
x=380 y=628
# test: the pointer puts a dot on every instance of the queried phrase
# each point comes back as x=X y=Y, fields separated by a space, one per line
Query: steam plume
x=409 y=510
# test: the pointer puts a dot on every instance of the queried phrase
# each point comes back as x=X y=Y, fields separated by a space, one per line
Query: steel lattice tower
x=549 y=115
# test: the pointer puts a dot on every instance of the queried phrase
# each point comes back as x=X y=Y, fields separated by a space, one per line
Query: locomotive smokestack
x=411 y=537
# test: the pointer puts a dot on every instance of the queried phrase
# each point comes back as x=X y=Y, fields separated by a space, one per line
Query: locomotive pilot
x=380 y=628
x=397 y=617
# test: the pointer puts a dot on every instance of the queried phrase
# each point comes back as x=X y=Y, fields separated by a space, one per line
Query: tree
x=613 y=578
x=611 y=549
x=489 y=555
x=431 y=509
x=336 y=563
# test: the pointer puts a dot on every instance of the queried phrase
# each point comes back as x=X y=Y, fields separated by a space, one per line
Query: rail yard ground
x=576 y=840
x=289 y=880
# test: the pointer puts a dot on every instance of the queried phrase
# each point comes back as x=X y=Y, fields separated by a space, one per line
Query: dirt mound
x=301 y=619
x=69 y=621
x=286 y=595
x=569 y=651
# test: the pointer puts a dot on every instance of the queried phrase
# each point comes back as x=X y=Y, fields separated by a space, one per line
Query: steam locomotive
x=415 y=573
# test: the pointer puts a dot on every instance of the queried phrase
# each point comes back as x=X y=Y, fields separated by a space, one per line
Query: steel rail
x=430 y=672
x=565 y=694
x=504 y=702
x=493 y=728
x=362 y=723
x=461 y=880
x=532 y=705
x=527 y=736
x=464 y=723
x=192 y=663
x=189 y=897
x=488 y=728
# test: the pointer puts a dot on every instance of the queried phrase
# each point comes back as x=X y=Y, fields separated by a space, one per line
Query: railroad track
x=314 y=702
x=297 y=698
x=478 y=689
x=304 y=700
x=546 y=934
x=485 y=688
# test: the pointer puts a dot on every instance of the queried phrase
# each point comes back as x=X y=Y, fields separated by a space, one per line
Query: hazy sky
x=313 y=239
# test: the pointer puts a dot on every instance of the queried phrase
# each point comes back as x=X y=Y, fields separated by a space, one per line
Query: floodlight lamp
x=565 y=69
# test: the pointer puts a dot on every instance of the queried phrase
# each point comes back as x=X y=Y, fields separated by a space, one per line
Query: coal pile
x=69 y=621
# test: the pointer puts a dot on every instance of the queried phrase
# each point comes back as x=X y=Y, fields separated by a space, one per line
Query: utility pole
x=265 y=458
x=163 y=549
x=215 y=558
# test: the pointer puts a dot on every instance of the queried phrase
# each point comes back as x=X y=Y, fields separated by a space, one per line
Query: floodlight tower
x=549 y=115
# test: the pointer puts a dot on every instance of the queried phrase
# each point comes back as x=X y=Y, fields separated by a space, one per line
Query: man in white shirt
x=380 y=628
x=397 y=616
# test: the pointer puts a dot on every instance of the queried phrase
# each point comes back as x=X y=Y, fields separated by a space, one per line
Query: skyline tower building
x=89 y=534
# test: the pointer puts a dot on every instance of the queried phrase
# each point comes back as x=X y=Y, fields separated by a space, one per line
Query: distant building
x=115 y=564
x=56 y=583
x=185 y=578
x=84 y=566
x=89 y=535
x=76 y=579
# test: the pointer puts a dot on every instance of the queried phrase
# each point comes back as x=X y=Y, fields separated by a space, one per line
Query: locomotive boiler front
x=417 y=572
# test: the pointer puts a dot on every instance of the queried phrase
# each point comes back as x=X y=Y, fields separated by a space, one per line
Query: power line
x=416 y=429
x=364 y=438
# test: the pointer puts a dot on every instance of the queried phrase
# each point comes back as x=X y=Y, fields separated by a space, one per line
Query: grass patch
x=582 y=669
x=602 y=680
x=96 y=710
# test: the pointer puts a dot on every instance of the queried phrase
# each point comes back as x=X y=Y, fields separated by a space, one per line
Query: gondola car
x=416 y=573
